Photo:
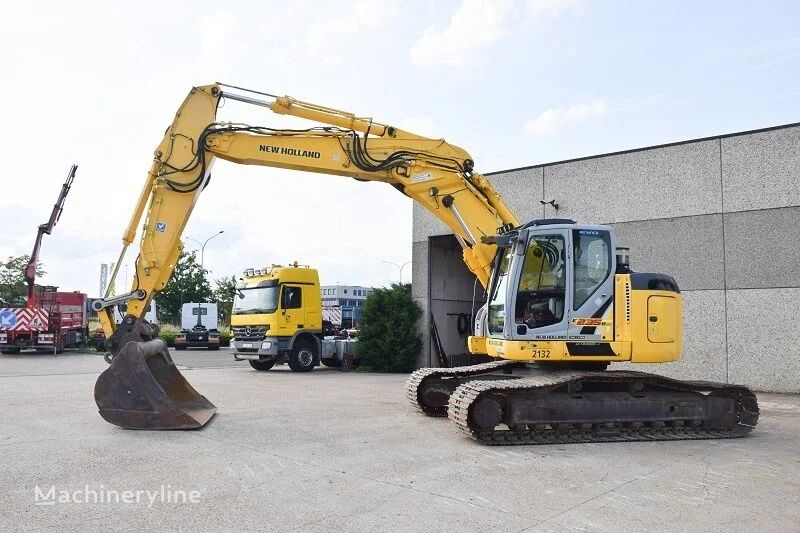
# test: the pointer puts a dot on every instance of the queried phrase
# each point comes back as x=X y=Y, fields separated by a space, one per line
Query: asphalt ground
x=333 y=451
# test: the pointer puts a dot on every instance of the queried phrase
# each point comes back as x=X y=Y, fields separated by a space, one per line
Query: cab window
x=592 y=259
x=497 y=301
x=292 y=297
x=540 y=296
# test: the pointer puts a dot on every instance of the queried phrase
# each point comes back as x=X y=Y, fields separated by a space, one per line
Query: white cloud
x=550 y=122
x=420 y=126
x=327 y=40
x=475 y=25
x=215 y=31
x=539 y=9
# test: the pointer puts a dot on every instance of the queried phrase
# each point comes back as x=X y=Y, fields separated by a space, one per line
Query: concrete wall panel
x=420 y=275
x=761 y=170
x=688 y=249
x=667 y=182
x=761 y=248
x=764 y=339
x=426 y=225
x=522 y=191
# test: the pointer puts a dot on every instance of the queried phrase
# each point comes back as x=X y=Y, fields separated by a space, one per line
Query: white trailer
x=208 y=313
x=199 y=323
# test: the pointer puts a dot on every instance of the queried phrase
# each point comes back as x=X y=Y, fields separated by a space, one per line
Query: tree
x=189 y=283
x=223 y=294
x=12 y=279
x=389 y=340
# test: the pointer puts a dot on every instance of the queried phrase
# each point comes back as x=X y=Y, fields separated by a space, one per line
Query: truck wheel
x=262 y=365
x=180 y=347
x=302 y=358
x=332 y=362
x=213 y=347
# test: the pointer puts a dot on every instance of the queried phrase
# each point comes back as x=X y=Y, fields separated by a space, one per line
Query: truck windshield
x=255 y=300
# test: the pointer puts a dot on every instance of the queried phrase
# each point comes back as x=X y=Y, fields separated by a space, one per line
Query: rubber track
x=466 y=394
x=418 y=377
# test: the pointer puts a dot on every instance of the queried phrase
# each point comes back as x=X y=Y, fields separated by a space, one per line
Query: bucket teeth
x=143 y=389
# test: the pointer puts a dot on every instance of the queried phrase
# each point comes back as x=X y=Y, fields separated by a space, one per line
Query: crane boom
x=46 y=229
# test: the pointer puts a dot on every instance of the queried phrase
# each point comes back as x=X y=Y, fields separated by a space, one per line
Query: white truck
x=199 y=323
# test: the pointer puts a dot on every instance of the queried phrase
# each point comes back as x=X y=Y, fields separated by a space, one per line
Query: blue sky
x=514 y=82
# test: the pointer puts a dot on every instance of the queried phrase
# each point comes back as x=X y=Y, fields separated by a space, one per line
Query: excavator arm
x=432 y=172
x=436 y=174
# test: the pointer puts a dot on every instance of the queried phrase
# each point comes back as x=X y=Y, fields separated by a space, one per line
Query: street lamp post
x=400 y=267
x=202 y=259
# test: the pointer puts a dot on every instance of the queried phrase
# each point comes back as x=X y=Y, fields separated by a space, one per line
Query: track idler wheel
x=143 y=389
x=487 y=413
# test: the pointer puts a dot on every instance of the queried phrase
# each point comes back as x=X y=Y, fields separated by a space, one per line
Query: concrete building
x=720 y=214
x=347 y=300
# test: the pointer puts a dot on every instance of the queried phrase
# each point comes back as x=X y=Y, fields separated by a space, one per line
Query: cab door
x=539 y=305
x=291 y=316
x=592 y=284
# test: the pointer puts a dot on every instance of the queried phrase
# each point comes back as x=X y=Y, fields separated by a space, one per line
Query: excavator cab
x=556 y=274
x=142 y=388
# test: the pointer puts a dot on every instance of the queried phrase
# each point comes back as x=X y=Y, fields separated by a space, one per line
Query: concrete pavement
x=328 y=451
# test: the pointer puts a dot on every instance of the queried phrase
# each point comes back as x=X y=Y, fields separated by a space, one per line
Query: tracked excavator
x=562 y=302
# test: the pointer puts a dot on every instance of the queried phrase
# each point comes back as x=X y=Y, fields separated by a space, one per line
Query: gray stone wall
x=721 y=215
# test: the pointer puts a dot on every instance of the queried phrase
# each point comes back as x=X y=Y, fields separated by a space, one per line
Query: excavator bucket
x=143 y=389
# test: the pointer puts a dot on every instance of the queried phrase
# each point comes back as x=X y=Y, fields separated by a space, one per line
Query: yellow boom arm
x=434 y=173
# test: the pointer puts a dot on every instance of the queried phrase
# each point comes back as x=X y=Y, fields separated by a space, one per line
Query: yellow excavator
x=562 y=302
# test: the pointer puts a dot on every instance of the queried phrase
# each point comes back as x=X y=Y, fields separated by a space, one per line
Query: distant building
x=342 y=304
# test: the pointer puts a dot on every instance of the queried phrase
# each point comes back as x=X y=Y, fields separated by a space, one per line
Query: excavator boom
x=434 y=173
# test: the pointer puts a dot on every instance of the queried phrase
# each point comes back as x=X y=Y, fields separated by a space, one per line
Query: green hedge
x=388 y=340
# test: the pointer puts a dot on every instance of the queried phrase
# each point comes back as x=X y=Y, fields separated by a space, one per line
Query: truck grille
x=249 y=333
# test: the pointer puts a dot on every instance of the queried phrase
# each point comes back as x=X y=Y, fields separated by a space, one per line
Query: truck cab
x=277 y=317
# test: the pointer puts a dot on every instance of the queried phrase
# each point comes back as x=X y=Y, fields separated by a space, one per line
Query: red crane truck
x=50 y=320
